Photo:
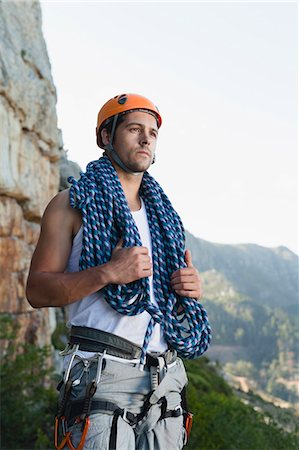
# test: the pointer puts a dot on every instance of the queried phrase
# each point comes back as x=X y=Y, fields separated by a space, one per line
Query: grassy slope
x=223 y=421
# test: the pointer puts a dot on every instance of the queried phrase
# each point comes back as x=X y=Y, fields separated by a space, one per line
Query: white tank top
x=93 y=311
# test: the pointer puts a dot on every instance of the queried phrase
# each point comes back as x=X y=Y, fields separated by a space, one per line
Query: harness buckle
x=129 y=417
x=178 y=411
x=124 y=416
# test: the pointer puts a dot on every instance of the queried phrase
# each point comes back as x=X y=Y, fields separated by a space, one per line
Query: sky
x=224 y=76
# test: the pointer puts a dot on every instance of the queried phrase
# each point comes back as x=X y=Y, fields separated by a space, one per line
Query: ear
x=105 y=136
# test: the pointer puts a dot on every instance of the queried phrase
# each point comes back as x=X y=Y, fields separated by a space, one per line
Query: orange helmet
x=124 y=103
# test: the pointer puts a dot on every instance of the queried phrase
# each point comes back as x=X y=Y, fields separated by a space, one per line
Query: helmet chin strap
x=113 y=154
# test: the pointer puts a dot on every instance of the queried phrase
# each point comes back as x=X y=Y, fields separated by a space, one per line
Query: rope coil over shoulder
x=106 y=218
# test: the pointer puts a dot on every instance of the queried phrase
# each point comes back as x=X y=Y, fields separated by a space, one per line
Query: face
x=135 y=140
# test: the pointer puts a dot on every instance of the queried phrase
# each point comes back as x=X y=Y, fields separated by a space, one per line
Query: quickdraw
x=61 y=420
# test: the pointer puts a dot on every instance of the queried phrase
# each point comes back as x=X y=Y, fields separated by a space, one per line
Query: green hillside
x=265 y=275
x=251 y=295
x=223 y=421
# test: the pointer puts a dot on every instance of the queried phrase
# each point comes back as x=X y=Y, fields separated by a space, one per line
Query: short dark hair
x=108 y=125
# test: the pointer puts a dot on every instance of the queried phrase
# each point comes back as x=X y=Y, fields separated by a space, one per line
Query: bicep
x=52 y=251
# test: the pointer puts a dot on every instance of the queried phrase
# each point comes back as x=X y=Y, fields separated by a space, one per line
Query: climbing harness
x=79 y=410
x=106 y=218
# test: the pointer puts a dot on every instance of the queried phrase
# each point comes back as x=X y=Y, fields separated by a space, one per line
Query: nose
x=145 y=137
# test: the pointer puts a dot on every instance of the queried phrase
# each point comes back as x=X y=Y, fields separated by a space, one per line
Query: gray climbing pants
x=126 y=386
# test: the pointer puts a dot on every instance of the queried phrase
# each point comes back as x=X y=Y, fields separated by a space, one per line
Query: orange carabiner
x=83 y=437
x=66 y=435
x=188 y=424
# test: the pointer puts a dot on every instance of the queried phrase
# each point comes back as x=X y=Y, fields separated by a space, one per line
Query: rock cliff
x=30 y=150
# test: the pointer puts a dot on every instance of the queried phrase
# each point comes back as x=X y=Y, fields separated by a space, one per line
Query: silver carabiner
x=70 y=364
x=85 y=368
x=101 y=357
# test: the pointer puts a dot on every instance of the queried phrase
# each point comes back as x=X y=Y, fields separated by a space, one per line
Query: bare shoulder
x=61 y=202
x=59 y=212
x=60 y=223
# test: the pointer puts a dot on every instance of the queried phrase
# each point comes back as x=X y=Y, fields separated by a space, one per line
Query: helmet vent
x=122 y=99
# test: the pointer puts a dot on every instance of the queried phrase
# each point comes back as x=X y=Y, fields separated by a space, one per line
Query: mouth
x=144 y=152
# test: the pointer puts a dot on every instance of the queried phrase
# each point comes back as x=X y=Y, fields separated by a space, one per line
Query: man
x=112 y=251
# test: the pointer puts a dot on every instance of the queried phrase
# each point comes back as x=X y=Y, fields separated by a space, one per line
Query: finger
x=185 y=277
x=190 y=271
x=185 y=287
x=144 y=258
x=120 y=243
x=175 y=274
x=147 y=265
x=143 y=250
x=189 y=294
x=139 y=250
x=146 y=273
x=188 y=258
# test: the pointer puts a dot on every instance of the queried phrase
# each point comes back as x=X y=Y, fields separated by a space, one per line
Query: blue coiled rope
x=106 y=218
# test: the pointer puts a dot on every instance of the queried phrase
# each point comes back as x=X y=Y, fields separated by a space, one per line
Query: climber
x=112 y=252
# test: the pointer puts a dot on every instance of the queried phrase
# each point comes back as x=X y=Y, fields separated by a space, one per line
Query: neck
x=130 y=184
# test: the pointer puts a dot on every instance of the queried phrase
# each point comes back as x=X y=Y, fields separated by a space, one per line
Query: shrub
x=28 y=397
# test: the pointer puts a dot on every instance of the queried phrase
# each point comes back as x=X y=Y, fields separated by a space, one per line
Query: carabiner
x=83 y=437
x=66 y=434
x=67 y=438
x=101 y=357
x=70 y=364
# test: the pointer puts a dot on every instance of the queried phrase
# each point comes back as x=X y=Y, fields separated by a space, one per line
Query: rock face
x=30 y=149
x=67 y=168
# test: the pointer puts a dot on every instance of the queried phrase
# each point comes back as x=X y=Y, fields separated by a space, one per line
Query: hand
x=129 y=264
x=186 y=282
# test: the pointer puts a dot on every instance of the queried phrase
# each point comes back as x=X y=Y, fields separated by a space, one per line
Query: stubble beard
x=141 y=166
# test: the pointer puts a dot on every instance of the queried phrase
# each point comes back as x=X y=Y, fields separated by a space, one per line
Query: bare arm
x=49 y=285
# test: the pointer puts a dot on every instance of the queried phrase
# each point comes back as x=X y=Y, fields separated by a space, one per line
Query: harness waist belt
x=97 y=406
x=93 y=340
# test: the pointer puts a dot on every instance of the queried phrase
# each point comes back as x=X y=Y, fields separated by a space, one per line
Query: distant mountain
x=267 y=276
x=251 y=296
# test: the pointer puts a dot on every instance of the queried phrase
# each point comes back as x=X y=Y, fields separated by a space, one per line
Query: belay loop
x=106 y=218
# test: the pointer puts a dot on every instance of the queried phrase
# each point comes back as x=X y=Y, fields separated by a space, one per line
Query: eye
x=135 y=129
